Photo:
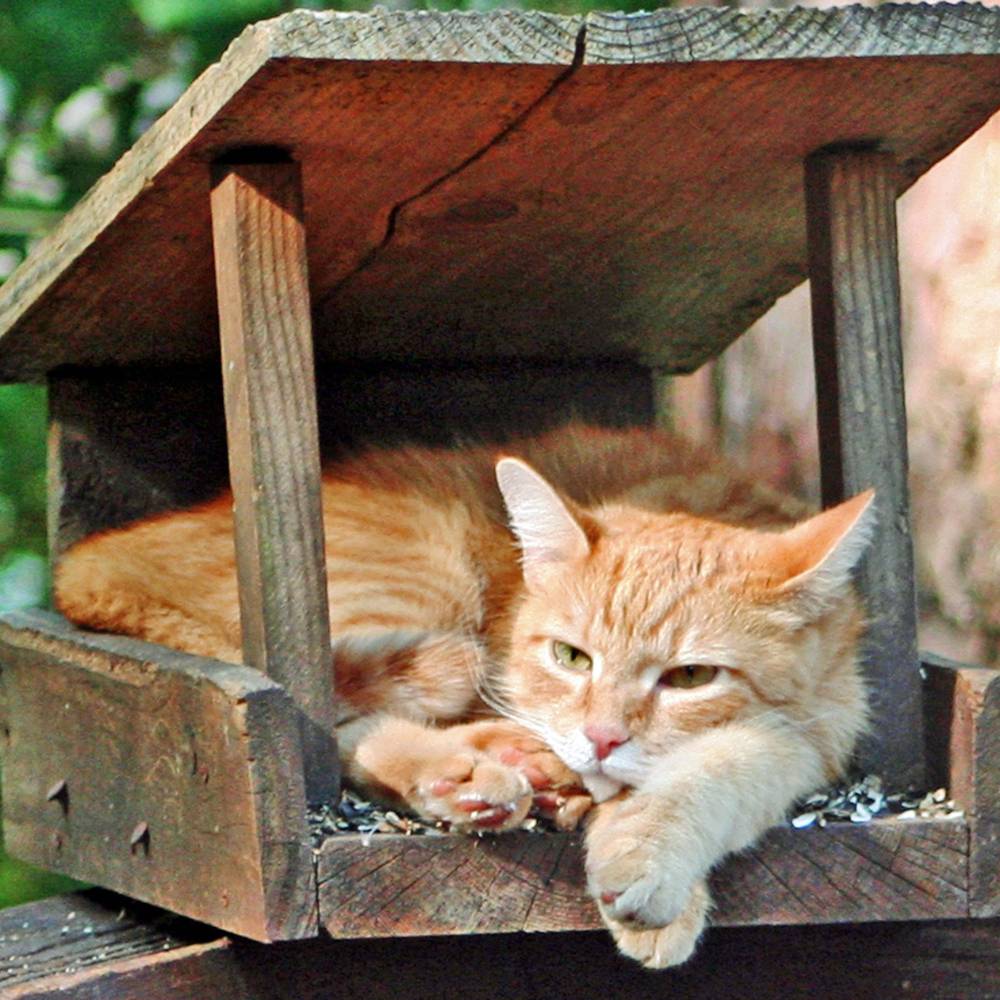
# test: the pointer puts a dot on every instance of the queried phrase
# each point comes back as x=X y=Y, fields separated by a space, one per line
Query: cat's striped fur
x=634 y=549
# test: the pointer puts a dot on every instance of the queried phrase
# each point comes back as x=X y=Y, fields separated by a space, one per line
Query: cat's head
x=639 y=630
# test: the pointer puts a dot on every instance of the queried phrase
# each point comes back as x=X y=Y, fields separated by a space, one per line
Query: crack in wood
x=935 y=872
x=358 y=880
x=826 y=878
x=938 y=845
x=530 y=907
x=396 y=211
x=486 y=899
x=759 y=858
x=445 y=905
x=314 y=856
x=409 y=885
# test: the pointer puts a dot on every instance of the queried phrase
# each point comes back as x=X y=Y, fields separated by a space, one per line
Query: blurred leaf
x=21 y=883
x=52 y=46
x=185 y=15
x=23 y=581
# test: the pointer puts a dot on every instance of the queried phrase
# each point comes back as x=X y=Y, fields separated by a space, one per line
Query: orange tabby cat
x=681 y=638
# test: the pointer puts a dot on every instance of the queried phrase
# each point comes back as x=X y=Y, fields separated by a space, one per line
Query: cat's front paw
x=638 y=875
x=661 y=947
x=471 y=792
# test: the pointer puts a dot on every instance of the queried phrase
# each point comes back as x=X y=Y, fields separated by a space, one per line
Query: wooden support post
x=270 y=397
x=854 y=274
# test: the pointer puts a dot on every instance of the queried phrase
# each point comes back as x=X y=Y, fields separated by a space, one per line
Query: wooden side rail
x=169 y=777
x=964 y=724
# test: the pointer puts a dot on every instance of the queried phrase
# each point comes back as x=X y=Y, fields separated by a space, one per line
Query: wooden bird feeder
x=485 y=222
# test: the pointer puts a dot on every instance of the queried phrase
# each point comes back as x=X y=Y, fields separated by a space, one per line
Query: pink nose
x=605 y=737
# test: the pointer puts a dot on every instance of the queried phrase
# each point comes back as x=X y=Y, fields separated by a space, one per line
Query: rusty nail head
x=140 y=835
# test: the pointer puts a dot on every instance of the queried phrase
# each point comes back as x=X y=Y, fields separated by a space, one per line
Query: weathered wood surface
x=854 y=271
x=404 y=886
x=123 y=959
x=175 y=779
x=969 y=720
x=129 y=443
x=239 y=837
x=126 y=444
x=270 y=402
x=508 y=184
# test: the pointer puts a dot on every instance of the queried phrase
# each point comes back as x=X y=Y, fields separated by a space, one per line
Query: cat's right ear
x=818 y=556
x=548 y=533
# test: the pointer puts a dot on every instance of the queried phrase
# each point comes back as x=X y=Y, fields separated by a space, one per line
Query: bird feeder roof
x=489 y=185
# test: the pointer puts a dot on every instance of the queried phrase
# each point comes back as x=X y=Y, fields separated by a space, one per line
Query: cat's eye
x=570 y=656
x=691 y=675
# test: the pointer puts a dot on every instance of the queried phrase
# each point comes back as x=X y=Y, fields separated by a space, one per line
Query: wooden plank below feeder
x=96 y=947
x=175 y=779
x=508 y=184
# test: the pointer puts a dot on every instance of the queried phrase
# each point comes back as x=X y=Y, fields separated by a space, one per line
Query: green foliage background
x=80 y=80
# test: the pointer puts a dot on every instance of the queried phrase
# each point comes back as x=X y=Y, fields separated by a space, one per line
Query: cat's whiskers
x=495 y=694
x=801 y=724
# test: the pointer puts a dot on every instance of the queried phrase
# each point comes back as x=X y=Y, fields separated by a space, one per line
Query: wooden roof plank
x=712 y=34
x=488 y=185
x=136 y=250
x=590 y=230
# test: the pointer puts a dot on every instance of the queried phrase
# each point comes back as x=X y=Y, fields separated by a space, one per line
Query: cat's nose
x=605 y=736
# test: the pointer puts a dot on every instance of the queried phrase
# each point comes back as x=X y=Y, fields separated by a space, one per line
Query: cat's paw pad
x=474 y=793
x=662 y=947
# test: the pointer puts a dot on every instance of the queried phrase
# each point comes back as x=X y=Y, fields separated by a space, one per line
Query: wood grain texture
x=861 y=412
x=713 y=33
x=971 y=727
x=415 y=121
x=935 y=960
x=201 y=756
x=501 y=185
x=400 y=886
x=272 y=430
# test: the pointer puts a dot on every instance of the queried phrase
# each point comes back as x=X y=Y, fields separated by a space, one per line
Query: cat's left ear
x=820 y=554
x=548 y=533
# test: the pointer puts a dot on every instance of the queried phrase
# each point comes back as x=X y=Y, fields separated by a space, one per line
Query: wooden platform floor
x=98 y=946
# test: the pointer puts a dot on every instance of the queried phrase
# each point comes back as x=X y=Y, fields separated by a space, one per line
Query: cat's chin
x=601 y=786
